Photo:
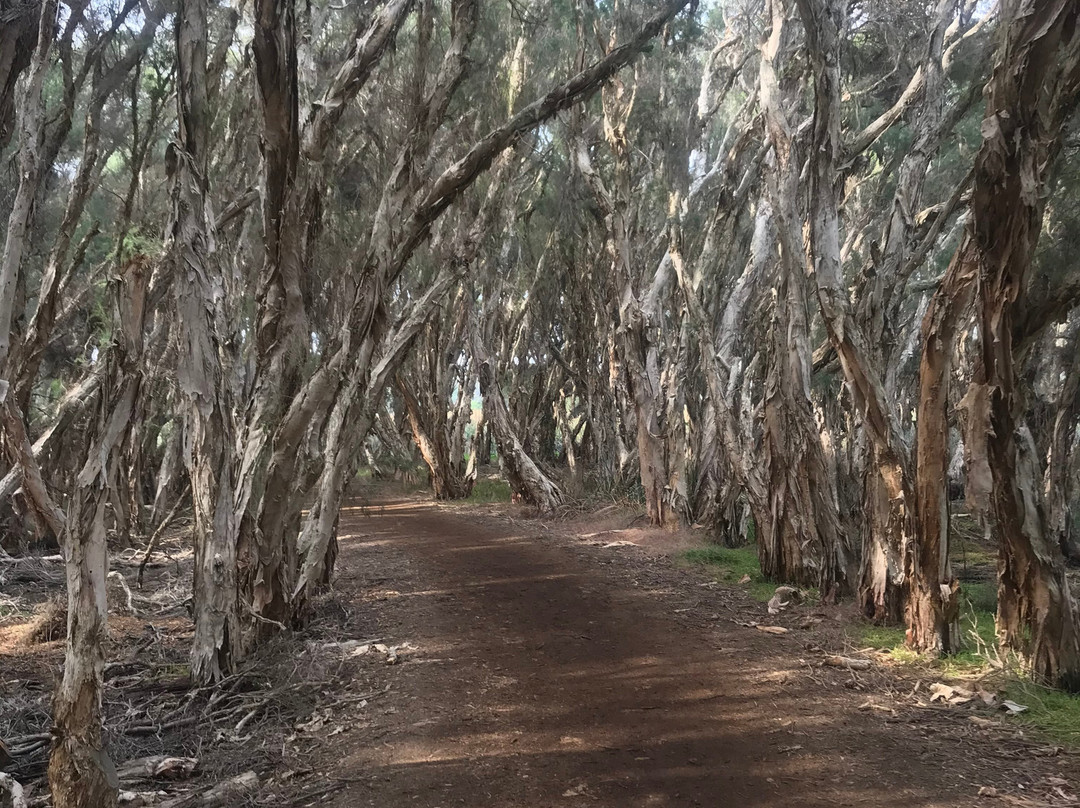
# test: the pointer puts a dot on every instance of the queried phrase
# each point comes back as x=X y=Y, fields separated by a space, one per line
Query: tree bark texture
x=202 y=373
x=1035 y=86
x=81 y=775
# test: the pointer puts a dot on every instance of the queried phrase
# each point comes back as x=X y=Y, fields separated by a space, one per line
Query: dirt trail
x=543 y=676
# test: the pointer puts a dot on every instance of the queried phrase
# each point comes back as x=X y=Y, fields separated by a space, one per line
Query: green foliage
x=137 y=243
x=489 y=489
x=731 y=565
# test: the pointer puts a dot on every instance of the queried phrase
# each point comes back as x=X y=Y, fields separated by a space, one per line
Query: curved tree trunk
x=527 y=480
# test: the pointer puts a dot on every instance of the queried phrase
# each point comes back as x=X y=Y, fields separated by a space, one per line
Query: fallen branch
x=848 y=662
x=156 y=767
x=223 y=794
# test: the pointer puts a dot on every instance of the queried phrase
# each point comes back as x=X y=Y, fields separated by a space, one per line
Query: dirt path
x=547 y=674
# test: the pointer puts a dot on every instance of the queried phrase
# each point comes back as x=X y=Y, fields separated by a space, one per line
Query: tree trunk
x=18 y=33
x=81 y=775
x=1060 y=494
x=933 y=603
x=805 y=543
x=31 y=175
x=1035 y=86
x=200 y=286
x=527 y=480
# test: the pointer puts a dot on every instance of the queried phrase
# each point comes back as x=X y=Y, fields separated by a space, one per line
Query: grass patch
x=883 y=637
x=731 y=564
x=1054 y=713
x=889 y=639
x=978 y=604
x=488 y=489
x=979 y=597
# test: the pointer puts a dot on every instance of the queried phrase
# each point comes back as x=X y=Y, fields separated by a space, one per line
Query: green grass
x=884 y=637
x=731 y=564
x=1054 y=713
x=979 y=597
x=490 y=490
x=978 y=603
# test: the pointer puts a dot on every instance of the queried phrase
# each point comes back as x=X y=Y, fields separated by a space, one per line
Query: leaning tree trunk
x=1035 y=87
x=527 y=480
x=448 y=480
x=80 y=772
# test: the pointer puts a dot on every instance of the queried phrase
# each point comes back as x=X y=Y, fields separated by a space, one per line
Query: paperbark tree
x=413 y=202
x=1035 y=86
x=32 y=165
x=200 y=288
x=807 y=544
x=81 y=775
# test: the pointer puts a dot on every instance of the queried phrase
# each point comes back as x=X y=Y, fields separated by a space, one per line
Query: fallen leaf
x=1013 y=707
x=745 y=579
x=940 y=691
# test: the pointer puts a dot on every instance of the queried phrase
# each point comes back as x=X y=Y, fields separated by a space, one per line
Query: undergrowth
x=489 y=489
x=731 y=564
x=1054 y=714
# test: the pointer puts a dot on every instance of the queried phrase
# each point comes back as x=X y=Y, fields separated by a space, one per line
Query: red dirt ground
x=539 y=664
x=548 y=671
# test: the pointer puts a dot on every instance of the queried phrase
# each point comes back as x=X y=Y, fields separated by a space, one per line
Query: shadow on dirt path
x=538 y=678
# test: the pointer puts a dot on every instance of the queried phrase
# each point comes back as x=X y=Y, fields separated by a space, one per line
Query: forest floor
x=538 y=663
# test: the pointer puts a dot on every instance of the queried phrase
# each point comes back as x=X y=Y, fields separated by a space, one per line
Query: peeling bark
x=1035 y=86
x=804 y=543
x=81 y=775
x=199 y=288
